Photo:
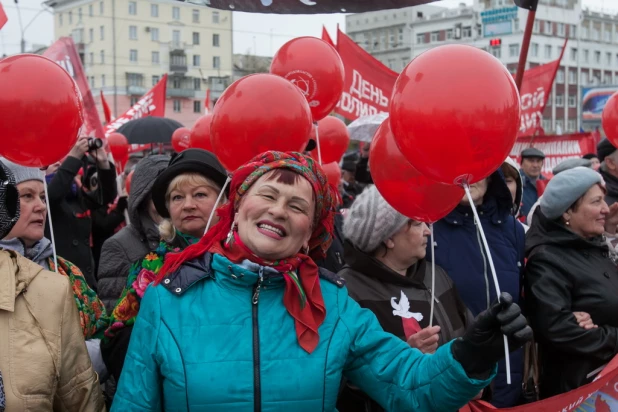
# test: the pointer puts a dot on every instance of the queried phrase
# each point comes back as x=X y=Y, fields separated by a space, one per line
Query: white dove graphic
x=403 y=308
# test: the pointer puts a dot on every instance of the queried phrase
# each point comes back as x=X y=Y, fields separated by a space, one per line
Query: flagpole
x=523 y=54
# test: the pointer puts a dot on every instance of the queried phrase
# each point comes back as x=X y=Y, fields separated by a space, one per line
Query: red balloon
x=333 y=173
x=609 y=119
x=455 y=113
x=181 y=139
x=127 y=182
x=403 y=187
x=200 y=134
x=119 y=147
x=258 y=113
x=334 y=139
x=315 y=67
x=41 y=111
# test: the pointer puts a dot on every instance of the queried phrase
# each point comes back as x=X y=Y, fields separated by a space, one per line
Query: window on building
x=132 y=32
x=391 y=39
x=155 y=80
x=608 y=58
x=548 y=27
x=197 y=61
x=559 y=128
x=400 y=36
x=215 y=40
x=133 y=56
x=420 y=38
x=134 y=100
x=586 y=56
x=197 y=84
x=176 y=83
x=404 y=63
x=597 y=56
x=561 y=31
x=79 y=15
x=607 y=35
x=91 y=58
x=101 y=8
x=572 y=123
x=584 y=79
x=90 y=10
x=155 y=57
x=548 y=51
x=534 y=50
x=176 y=13
x=134 y=79
x=449 y=34
x=91 y=81
x=195 y=16
x=154 y=34
x=102 y=56
x=216 y=62
x=434 y=36
x=559 y=100
x=196 y=38
x=496 y=52
x=176 y=38
x=585 y=32
x=572 y=101
x=154 y=10
x=102 y=80
x=70 y=17
x=572 y=77
x=102 y=33
x=596 y=36
x=132 y=8
x=197 y=106
x=573 y=54
x=572 y=31
x=513 y=50
x=560 y=76
x=215 y=17
x=515 y=25
x=60 y=19
x=466 y=32
x=177 y=106
x=536 y=26
x=547 y=124
x=549 y=100
x=91 y=35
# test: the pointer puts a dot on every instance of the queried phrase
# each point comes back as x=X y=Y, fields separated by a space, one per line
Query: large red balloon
x=455 y=113
x=403 y=187
x=333 y=173
x=315 y=67
x=181 y=139
x=610 y=119
x=41 y=111
x=258 y=113
x=200 y=133
x=119 y=146
x=334 y=139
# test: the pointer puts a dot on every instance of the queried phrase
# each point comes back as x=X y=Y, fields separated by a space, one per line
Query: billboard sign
x=593 y=101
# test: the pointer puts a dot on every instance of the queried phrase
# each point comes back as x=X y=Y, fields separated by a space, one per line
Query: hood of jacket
x=544 y=231
x=38 y=253
x=520 y=186
x=16 y=273
x=142 y=181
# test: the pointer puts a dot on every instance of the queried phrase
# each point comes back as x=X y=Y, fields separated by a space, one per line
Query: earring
x=230 y=234
x=568 y=223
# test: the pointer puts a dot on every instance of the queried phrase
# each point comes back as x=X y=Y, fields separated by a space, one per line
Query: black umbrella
x=311 y=6
x=149 y=130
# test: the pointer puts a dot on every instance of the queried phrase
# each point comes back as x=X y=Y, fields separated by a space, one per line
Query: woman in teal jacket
x=244 y=320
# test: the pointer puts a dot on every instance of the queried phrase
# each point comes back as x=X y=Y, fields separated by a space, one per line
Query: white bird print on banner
x=403 y=308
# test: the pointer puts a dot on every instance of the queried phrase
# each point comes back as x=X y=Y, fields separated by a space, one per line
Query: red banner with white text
x=556 y=148
x=598 y=396
x=65 y=54
x=368 y=83
x=3 y=18
x=150 y=104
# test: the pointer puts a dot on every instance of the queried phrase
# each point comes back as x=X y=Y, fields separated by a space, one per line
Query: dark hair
x=509 y=171
x=285 y=176
x=590 y=156
x=579 y=201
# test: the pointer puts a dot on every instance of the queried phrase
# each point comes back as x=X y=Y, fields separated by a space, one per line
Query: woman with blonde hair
x=184 y=195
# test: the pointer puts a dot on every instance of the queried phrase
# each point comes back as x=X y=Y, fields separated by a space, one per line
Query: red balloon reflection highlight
x=609 y=119
x=403 y=187
x=315 y=67
x=334 y=139
x=200 y=133
x=258 y=113
x=455 y=113
x=181 y=139
x=41 y=111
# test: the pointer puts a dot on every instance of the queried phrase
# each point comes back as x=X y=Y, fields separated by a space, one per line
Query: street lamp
x=22 y=28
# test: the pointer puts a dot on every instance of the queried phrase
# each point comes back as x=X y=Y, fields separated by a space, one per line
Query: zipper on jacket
x=257 y=388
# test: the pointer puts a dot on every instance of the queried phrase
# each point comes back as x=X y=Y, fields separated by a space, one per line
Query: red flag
x=207 y=102
x=65 y=54
x=535 y=90
x=3 y=18
x=368 y=83
x=106 y=110
x=326 y=37
x=150 y=104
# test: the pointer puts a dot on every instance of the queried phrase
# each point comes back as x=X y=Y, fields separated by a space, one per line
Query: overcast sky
x=259 y=34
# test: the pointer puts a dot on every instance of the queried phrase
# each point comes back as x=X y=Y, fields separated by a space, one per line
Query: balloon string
x=433 y=277
x=317 y=143
x=51 y=226
x=493 y=273
x=214 y=209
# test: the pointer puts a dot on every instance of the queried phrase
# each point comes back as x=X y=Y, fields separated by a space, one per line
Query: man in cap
x=609 y=169
x=531 y=165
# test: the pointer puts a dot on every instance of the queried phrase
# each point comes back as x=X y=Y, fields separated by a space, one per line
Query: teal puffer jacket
x=205 y=341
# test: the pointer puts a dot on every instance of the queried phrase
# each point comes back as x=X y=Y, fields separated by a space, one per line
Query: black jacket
x=567 y=273
x=71 y=211
x=334 y=260
x=104 y=224
x=611 y=184
x=376 y=287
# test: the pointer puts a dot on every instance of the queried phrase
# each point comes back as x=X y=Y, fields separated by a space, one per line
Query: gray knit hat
x=564 y=190
x=23 y=173
x=570 y=164
x=371 y=221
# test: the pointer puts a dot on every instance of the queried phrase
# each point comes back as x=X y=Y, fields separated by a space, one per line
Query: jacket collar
x=16 y=273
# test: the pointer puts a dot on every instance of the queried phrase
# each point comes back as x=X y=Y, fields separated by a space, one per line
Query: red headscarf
x=302 y=297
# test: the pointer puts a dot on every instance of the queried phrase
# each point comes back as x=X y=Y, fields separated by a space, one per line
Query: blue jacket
x=200 y=344
x=460 y=253
x=531 y=193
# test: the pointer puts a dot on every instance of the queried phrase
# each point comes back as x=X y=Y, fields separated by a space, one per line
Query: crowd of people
x=294 y=295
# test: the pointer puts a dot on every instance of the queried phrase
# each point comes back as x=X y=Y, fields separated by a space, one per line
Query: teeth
x=271 y=228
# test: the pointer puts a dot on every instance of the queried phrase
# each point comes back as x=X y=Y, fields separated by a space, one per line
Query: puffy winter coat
x=43 y=358
x=566 y=273
x=200 y=344
x=134 y=241
x=460 y=252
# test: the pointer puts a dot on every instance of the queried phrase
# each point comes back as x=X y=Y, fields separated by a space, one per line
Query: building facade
x=496 y=26
x=127 y=46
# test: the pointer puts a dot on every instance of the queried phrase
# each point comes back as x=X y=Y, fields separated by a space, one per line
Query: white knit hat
x=371 y=221
x=22 y=173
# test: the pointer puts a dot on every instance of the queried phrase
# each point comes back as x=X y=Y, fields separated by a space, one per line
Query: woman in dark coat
x=568 y=270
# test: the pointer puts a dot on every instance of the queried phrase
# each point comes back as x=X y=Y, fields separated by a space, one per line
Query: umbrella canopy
x=309 y=6
x=149 y=130
x=363 y=128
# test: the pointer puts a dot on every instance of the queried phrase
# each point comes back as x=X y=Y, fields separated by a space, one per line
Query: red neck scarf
x=302 y=296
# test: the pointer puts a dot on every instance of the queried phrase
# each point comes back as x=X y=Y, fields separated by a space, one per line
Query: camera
x=94 y=143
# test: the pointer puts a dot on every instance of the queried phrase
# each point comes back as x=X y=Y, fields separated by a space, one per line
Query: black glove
x=482 y=346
